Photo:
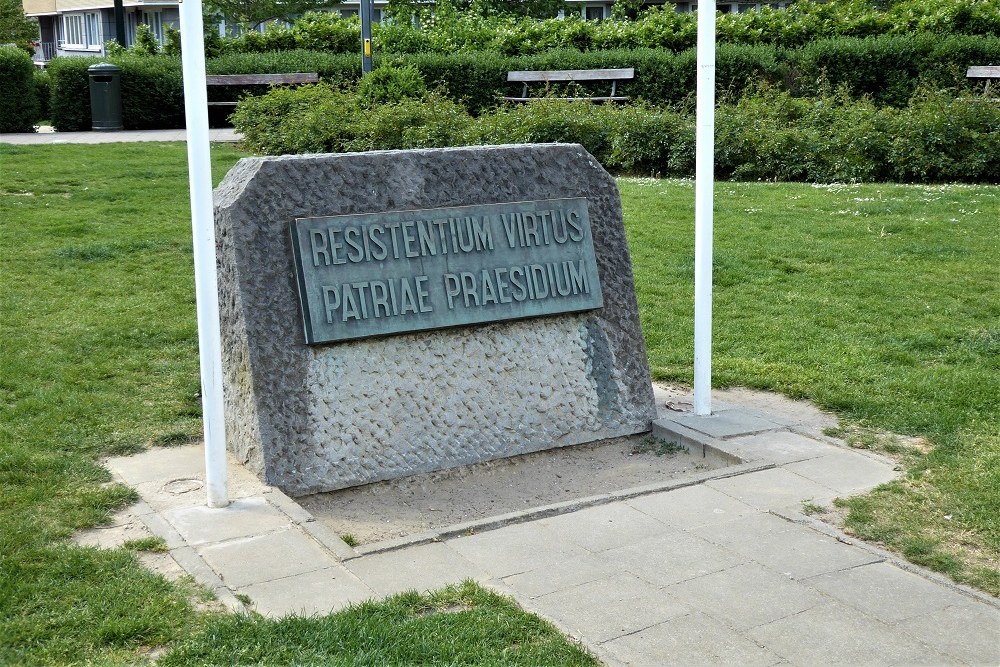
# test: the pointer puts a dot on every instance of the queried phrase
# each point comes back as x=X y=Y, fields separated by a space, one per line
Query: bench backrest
x=983 y=72
x=260 y=79
x=573 y=75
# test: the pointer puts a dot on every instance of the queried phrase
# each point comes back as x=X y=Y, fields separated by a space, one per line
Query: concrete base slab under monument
x=503 y=273
x=718 y=566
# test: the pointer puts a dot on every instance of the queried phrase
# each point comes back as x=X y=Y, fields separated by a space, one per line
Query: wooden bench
x=988 y=72
x=293 y=79
x=572 y=75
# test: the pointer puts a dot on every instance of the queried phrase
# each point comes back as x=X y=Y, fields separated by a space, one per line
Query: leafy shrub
x=432 y=122
x=765 y=134
x=770 y=135
x=551 y=120
x=651 y=141
x=391 y=84
x=307 y=119
x=323 y=31
x=18 y=99
x=145 y=43
x=321 y=118
x=171 y=41
x=943 y=137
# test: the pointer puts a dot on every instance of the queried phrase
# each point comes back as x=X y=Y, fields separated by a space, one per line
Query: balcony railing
x=44 y=51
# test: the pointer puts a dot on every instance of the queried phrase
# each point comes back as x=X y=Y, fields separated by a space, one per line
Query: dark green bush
x=18 y=97
x=890 y=68
x=70 y=98
x=43 y=91
x=475 y=80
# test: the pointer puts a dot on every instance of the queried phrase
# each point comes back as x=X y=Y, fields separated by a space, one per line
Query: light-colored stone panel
x=747 y=595
x=835 y=634
x=252 y=560
x=419 y=568
x=318 y=592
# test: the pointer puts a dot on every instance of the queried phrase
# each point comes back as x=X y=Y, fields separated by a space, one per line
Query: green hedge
x=70 y=100
x=18 y=97
x=887 y=69
x=766 y=134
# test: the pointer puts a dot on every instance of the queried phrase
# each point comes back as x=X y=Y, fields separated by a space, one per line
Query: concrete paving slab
x=515 y=549
x=559 y=576
x=787 y=548
x=729 y=423
x=693 y=639
x=777 y=407
x=251 y=560
x=607 y=608
x=125 y=526
x=885 y=591
x=420 y=568
x=242 y=518
x=969 y=631
x=47 y=136
x=691 y=507
x=747 y=595
x=773 y=489
x=845 y=472
x=160 y=464
x=317 y=592
x=835 y=634
x=605 y=526
x=672 y=558
x=778 y=447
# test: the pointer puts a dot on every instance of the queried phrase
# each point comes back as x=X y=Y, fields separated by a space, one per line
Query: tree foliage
x=249 y=14
x=15 y=27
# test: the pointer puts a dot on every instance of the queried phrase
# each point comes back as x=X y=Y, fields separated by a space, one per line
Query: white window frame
x=81 y=31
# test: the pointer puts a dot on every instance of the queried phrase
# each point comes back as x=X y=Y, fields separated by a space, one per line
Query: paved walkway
x=45 y=135
x=722 y=568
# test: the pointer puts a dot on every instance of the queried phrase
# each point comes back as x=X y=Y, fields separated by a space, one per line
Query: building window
x=594 y=13
x=81 y=31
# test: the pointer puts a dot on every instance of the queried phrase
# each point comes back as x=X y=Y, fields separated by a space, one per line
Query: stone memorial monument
x=398 y=312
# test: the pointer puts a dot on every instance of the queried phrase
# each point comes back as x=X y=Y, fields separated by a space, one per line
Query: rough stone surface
x=311 y=419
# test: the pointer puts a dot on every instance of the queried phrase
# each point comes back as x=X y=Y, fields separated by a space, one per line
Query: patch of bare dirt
x=396 y=508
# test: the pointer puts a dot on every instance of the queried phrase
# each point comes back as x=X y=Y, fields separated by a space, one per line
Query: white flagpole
x=704 y=192
x=203 y=228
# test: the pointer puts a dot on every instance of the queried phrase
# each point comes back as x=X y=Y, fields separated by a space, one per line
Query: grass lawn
x=98 y=356
x=880 y=302
x=877 y=301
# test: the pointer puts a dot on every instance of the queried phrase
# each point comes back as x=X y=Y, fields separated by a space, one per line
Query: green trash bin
x=105 y=97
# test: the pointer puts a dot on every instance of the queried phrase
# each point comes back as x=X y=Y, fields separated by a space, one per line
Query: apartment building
x=81 y=27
